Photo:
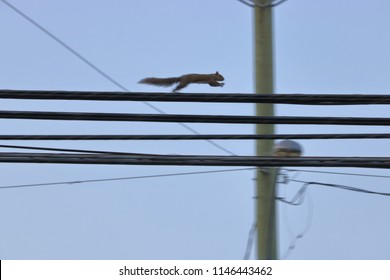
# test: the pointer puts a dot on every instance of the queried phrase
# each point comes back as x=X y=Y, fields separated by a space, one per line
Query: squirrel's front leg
x=216 y=84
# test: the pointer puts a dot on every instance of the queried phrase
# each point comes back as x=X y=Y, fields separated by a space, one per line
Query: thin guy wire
x=66 y=46
x=286 y=223
x=101 y=72
x=271 y=4
x=276 y=4
x=338 y=173
x=124 y=178
x=298 y=199
x=246 y=3
x=250 y=241
x=343 y=187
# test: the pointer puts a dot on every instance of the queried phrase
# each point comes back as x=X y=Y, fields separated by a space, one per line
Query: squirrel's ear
x=217 y=73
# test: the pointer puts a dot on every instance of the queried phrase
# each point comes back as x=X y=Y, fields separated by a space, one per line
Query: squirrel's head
x=219 y=77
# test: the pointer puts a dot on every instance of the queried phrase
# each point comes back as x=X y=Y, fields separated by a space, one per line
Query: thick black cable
x=196 y=137
x=71 y=150
x=100 y=71
x=73 y=116
x=194 y=160
x=280 y=98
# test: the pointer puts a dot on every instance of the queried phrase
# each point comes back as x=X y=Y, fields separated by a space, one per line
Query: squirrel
x=185 y=80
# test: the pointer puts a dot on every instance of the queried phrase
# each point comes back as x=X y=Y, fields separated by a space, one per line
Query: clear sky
x=322 y=46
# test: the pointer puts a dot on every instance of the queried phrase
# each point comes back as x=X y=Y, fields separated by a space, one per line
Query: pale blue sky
x=322 y=46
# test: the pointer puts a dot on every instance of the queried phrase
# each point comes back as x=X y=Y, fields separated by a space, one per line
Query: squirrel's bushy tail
x=161 y=82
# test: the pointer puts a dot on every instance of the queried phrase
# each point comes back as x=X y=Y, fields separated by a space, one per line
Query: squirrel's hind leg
x=180 y=86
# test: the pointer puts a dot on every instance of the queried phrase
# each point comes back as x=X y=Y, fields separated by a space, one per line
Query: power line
x=196 y=137
x=298 y=199
x=337 y=173
x=124 y=178
x=300 y=195
x=77 y=116
x=280 y=98
x=195 y=160
x=71 y=150
x=343 y=187
x=100 y=71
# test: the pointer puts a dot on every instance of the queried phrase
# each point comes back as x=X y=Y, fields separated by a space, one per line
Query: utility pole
x=265 y=181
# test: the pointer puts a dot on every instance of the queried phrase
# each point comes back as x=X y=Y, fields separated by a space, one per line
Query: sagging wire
x=298 y=199
x=251 y=239
x=304 y=231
